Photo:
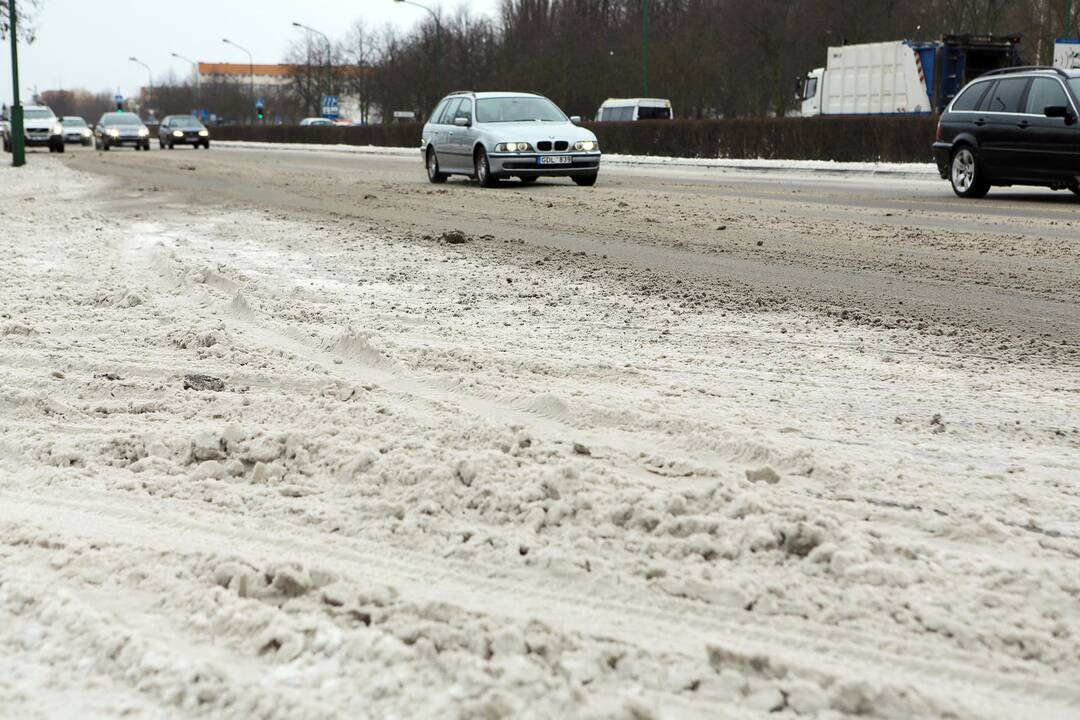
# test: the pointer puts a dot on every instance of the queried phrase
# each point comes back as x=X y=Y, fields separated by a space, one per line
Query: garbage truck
x=901 y=77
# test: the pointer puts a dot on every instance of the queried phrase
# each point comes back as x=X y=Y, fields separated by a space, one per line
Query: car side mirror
x=462 y=121
x=576 y=119
x=1060 y=111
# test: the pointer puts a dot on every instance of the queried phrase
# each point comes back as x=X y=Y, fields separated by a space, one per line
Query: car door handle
x=980 y=122
x=1022 y=124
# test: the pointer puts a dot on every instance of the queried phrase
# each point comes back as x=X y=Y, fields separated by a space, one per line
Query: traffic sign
x=330 y=107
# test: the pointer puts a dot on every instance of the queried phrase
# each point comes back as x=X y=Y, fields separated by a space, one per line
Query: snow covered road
x=258 y=462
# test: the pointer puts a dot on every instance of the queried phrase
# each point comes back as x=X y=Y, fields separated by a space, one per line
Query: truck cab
x=808 y=92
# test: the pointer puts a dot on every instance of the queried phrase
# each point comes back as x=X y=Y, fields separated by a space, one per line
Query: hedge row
x=847 y=138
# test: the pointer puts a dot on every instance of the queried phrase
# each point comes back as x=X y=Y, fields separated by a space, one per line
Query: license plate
x=554 y=160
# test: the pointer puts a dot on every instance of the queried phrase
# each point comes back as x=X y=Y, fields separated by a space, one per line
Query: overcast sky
x=80 y=46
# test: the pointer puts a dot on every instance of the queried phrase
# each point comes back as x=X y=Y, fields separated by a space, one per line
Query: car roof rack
x=461 y=92
x=1025 y=68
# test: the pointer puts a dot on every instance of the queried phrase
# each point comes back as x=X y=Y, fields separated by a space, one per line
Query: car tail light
x=937 y=136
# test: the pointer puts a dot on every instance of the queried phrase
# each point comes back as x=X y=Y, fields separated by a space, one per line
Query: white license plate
x=554 y=160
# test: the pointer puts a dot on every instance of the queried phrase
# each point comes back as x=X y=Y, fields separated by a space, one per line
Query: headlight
x=86 y=132
x=178 y=133
x=113 y=132
x=143 y=132
x=58 y=129
x=204 y=133
x=513 y=147
x=586 y=145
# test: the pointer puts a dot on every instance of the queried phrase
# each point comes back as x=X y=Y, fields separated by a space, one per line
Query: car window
x=970 y=97
x=517 y=109
x=437 y=112
x=1005 y=97
x=625 y=114
x=447 y=117
x=75 y=121
x=1074 y=83
x=1045 y=92
x=37 y=113
x=654 y=113
x=464 y=109
x=185 y=121
x=124 y=119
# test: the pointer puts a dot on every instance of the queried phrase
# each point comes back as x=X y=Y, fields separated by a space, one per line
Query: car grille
x=37 y=133
x=546 y=145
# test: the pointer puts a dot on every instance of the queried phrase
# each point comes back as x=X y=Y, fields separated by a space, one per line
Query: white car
x=631 y=109
x=316 y=122
x=41 y=127
x=76 y=130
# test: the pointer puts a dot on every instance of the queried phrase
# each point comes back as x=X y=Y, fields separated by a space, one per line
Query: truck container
x=901 y=77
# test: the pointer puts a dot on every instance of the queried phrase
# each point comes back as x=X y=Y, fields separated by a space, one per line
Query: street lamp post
x=645 y=48
x=150 y=92
x=438 y=38
x=194 y=69
x=329 y=54
x=18 y=139
x=251 y=64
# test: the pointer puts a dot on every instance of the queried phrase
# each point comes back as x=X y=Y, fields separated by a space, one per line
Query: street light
x=438 y=36
x=150 y=92
x=18 y=139
x=329 y=54
x=645 y=48
x=251 y=63
x=194 y=69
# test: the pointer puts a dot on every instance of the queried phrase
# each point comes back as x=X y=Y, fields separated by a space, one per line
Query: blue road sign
x=118 y=98
x=260 y=104
x=330 y=107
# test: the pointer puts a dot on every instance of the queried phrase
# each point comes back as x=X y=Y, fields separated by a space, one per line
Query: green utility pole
x=18 y=138
x=645 y=48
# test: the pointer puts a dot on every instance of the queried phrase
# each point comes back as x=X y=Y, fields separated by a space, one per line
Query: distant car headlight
x=86 y=132
x=58 y=129
x=178 y=133
x=586 y=145
x=204 y=133
x=143 y=132
x=513 y=147
x=113 y=132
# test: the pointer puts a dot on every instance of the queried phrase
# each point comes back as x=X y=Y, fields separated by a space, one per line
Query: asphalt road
x=1000 y=276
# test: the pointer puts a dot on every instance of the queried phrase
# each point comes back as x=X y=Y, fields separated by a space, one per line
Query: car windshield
x=185 y=122
x=75 y=121
x=122 y=120
x=37 y=113
x=517 y=109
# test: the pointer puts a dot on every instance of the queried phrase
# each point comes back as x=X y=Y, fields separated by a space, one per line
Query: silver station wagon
x=490 y=136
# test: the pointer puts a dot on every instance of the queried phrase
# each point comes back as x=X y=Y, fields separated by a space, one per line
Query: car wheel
x=171 y=145
x=87 y=142
x=60 y=148
x=160 y=144
x=433 y=174
x=529 y=178
x=1075 y=189
x=105 y=146
x=206 y=145
x=482 y=169
x=585 y=180
x=146 y=146
x=965 y=174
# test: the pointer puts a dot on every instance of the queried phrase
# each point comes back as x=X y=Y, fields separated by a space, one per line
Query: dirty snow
x=259 y=465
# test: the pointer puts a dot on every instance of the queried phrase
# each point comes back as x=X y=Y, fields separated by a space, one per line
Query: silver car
x=494 y=135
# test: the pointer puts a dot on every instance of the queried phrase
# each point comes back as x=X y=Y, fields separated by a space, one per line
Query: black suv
x=1015 y=126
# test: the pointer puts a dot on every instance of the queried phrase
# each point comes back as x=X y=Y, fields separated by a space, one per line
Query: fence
x=843 y=138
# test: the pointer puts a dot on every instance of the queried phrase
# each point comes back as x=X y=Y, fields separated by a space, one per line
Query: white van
x=628 y=109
